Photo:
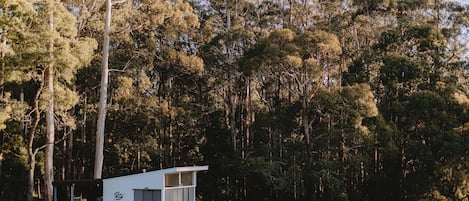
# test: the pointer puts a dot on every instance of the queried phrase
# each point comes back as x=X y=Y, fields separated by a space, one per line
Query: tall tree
x=99 y=152
x=285 y=100
x=47 y=54
x=50 y=120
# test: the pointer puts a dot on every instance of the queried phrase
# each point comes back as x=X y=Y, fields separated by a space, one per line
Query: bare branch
x=116 y=70
x=119 y=2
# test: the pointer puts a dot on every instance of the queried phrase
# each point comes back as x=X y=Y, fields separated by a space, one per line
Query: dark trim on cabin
x=91 y=189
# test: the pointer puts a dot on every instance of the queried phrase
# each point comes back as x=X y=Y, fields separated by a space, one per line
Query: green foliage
x=388 y=38
x=318 y=42
x=10 y=110
x=399 y=69
x=185 y=63
x=353 y=100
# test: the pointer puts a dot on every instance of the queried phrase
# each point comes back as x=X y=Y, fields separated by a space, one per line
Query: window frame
x=180 y=185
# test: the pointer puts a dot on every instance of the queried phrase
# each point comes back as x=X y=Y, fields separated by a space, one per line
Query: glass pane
x=186 y=178
x=171 y=180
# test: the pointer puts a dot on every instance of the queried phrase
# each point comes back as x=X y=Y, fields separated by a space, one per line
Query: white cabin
x=173 y=184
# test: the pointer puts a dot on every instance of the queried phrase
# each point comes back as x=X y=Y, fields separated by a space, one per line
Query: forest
x=301 y=100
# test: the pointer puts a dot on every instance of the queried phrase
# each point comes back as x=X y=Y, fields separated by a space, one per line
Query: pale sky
x=462 y=1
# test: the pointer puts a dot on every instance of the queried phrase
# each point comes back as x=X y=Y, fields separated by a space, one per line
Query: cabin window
x=179 y=179
x=186 y=179
x=171 y=180
x=147 y=195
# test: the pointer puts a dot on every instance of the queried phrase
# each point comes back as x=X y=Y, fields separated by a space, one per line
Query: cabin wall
x=122 y=188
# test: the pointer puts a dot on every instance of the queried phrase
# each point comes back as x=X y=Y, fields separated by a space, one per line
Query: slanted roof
x=165 y=171
x=184 y=169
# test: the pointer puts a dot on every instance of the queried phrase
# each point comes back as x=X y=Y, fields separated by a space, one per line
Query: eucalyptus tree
x=409 y=59
x=152 y=51
x=235 y=27
x=233 y=34
x=99 y=152
x=50 y=120
x=290 y=68
x=45 y=42
x=20 y=30
x=299 y=63
x=13 y=17
x=286 y=100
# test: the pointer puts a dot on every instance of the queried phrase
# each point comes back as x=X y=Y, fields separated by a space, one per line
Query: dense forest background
x=284 y=100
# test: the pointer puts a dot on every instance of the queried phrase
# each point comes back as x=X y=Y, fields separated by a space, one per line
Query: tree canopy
x=285 y=100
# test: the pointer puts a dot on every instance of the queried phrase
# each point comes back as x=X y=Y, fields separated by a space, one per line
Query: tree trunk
x=50 y=127
x=32 y=165
x=3 y=38
x=403 y=178
x=2 y=139
x=306 y=125
x=31 y=151
x=99 y=154
x=232 y=117
x=247 y=103
x=69 y=160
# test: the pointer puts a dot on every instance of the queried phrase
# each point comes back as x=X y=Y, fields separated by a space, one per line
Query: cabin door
x=147 y=195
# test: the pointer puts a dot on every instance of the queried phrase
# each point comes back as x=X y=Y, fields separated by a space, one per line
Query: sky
x=466 y=2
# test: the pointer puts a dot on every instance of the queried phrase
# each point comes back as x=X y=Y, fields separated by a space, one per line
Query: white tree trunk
x=50 y=127
x=99 y=155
